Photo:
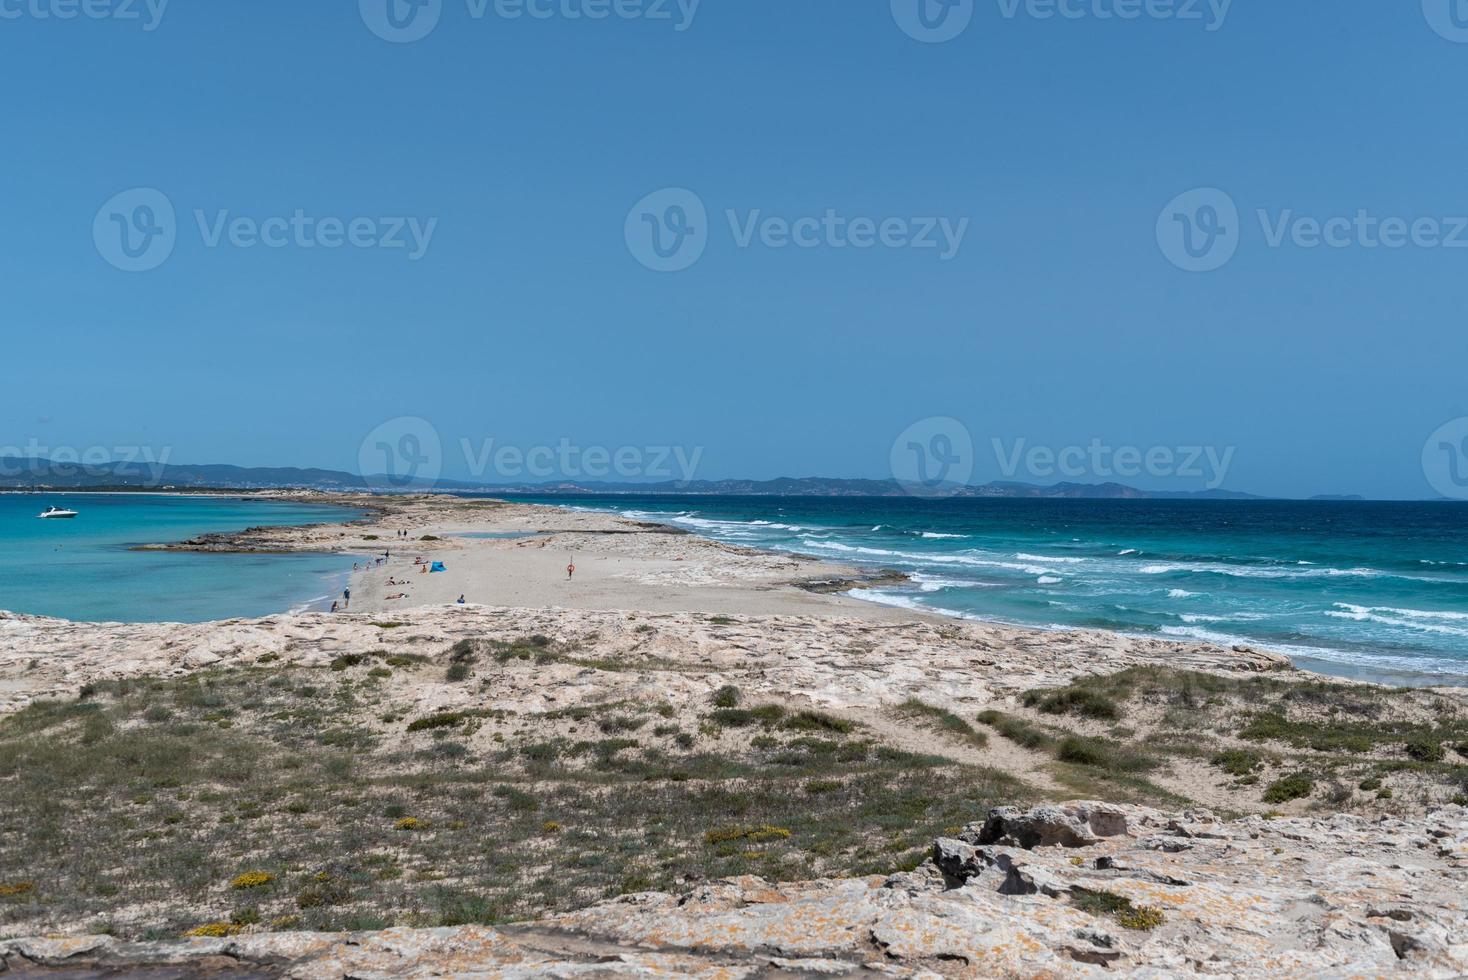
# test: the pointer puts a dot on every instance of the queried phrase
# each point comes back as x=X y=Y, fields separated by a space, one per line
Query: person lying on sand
x=400 y=595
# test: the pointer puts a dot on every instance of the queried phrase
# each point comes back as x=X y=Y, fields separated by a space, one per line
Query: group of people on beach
x=423 y=565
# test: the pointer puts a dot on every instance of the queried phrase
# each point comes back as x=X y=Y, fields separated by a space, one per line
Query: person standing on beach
x=346 y=598
x=571 y=570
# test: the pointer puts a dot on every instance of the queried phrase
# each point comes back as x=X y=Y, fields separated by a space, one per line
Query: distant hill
x=26 y=474
x=44 y=474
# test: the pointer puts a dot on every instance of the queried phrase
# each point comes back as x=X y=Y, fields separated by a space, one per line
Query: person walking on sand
x=571 y=570
x=346 y=598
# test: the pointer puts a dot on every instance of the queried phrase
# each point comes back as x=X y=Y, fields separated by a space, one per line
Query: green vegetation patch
x=1079 y=698
x=942 y=720
x=1118 y=907
x=1295 y=786
x=148 y=825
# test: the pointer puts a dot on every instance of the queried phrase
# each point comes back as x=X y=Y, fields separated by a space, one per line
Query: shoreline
x=467 y=539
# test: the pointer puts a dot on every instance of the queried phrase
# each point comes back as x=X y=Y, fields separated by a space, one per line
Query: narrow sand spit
x=509 y=562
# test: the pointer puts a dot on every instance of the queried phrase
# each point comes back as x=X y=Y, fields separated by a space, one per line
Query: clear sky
x=530 y=308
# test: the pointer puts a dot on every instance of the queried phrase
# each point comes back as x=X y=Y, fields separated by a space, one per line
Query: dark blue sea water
x=84 y=569
x=1373 y=590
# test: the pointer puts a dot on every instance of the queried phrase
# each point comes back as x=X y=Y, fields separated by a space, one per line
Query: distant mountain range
x=42 y=474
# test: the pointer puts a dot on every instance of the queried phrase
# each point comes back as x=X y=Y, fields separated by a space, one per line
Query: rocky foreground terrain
x=475 y=791
x=1079 y=889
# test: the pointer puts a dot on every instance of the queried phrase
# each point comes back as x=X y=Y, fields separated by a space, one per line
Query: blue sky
x=531 y=317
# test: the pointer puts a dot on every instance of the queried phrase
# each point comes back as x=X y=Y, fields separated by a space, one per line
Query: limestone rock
x=1069 y=825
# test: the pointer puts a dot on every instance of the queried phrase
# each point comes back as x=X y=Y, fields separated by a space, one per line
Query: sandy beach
x=517 y=555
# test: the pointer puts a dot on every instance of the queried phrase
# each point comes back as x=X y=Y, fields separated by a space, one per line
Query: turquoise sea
x=1371 y=590
x=84 y=569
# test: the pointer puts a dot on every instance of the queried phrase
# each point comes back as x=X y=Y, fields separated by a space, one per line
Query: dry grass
x=313 y=799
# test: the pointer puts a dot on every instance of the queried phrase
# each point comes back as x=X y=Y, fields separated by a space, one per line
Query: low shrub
x=1237 y=762
x=815 y=721
x=1425 y=749
x=251 y=879
x=754 y=835
x=214 y=930
x=1295 y=786
x=765 y=714
x=943 y=720
x=1118 y=907
x=1074 y=701
x=443 y=719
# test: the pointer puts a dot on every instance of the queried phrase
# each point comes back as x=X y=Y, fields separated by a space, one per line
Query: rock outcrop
x=1079 y=889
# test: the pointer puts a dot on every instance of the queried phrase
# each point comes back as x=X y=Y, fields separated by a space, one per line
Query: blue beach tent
x=437 y=567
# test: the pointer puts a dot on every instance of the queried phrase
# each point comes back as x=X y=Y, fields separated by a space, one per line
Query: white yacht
x=53 y=513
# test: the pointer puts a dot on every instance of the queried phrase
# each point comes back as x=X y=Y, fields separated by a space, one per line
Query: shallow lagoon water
x=85 y=569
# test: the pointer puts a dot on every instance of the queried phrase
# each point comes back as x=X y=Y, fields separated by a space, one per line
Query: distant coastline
x=41 y=475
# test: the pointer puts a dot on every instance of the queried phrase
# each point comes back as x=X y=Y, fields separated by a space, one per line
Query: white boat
x=53 y=513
